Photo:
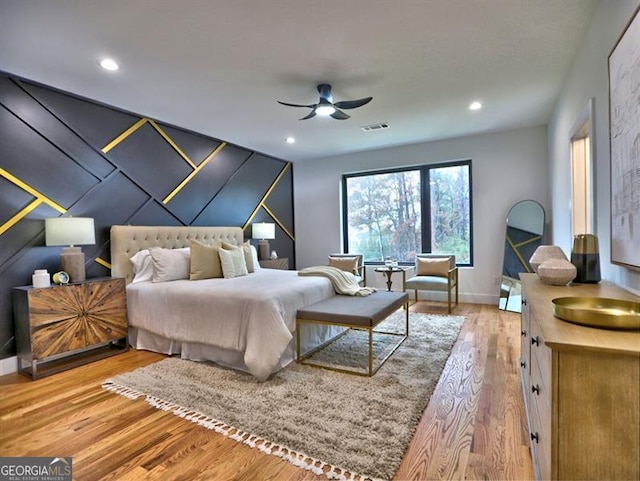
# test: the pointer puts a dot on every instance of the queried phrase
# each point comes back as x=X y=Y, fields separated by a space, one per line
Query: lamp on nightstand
x=263 y=231
x=69 y=232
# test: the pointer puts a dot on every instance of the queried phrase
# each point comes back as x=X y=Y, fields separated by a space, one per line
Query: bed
x=246 y=322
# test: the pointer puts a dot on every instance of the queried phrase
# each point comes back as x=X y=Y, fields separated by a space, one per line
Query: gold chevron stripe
x=262 y=204
x=528 y=241
x=517 y=254
x=172 y=144
x=32 y=191
x=39 y=199
x=273 y=216
x=124 y=135
x=14 y=220
x=194 y=173
x=102 y=262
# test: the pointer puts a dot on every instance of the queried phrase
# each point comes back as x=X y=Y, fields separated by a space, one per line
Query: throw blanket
x=343 y=282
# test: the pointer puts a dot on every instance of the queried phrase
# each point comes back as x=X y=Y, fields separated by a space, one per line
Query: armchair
x=435 y=272
x=353 y=263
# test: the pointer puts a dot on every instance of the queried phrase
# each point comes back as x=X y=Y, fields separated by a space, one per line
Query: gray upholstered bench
x=354 y=312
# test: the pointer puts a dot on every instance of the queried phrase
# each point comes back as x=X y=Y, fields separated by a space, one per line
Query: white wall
x=589 y=79
x=506 y=167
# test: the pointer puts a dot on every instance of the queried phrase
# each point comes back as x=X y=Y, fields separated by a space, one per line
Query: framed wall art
x=624 y=136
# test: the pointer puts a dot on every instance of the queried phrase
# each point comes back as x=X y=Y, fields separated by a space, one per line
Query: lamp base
x=263 y=250
x=72 y=262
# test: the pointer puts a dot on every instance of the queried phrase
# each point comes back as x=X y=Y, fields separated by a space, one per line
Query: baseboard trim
x=8 y=365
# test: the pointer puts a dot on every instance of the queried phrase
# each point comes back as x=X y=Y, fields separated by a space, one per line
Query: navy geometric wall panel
x=61 y=154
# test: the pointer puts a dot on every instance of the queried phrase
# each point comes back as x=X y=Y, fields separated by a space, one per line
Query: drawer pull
x=535 y=341
x=524 y=301
x=523 y=364
x=535 y=389
x=523 y=333
x=534 y=437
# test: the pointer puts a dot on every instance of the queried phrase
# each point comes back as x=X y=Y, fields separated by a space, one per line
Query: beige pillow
x=205 y=260
x=169 y=264
x=248 y=256
x=432 y=267
x=348 y=264
x=232 y=261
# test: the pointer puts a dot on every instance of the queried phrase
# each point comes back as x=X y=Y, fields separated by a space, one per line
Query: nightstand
x=282 y=264
x=61 y=327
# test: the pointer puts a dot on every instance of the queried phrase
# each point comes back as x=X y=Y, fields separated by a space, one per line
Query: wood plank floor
x=473 y=428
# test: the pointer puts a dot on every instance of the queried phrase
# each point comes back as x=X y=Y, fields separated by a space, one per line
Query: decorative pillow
x=205 y=260
x=169 y=264
x=142 y=266
x=348 y=264
x=248 y=257
x=254 y=258
x=232 y=261
x=432 y=267
x=246 y=249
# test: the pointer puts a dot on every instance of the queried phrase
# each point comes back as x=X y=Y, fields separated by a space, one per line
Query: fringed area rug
x=341 y=425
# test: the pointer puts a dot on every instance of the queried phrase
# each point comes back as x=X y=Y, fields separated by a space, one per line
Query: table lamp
x=263 y=231
x=69 y=232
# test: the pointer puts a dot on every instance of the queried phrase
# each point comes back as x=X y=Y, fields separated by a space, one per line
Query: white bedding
x=262 y=306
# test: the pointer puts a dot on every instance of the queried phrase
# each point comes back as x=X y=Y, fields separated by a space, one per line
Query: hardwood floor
x=473 y=428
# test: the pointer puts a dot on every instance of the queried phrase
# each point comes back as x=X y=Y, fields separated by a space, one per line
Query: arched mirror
x=524 y=232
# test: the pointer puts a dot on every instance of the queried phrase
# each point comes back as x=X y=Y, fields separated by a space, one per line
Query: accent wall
x=62 y=155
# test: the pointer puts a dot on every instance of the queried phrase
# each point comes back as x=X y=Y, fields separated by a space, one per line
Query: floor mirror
x=523 y=234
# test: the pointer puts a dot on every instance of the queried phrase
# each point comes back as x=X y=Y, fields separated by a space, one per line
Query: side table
x=279 y=263
x=61 y=327
x=388 y=271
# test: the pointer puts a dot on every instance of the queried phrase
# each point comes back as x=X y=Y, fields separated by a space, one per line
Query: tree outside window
x=398 y=213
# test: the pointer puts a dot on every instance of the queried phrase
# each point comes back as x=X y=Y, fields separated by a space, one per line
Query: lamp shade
x=68 y=231
x=263 y=230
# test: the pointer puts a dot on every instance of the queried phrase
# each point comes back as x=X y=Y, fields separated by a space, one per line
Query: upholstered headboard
x=126 y=240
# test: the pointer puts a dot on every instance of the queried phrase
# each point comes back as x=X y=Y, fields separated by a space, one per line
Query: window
x=398 y=213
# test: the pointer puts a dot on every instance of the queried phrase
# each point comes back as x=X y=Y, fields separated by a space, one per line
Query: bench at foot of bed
x=363 y=313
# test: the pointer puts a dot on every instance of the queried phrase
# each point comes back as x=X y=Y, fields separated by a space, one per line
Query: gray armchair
x=353 y=263
x=435 y=272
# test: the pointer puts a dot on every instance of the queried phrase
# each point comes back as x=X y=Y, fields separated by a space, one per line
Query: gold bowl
x=601 y=312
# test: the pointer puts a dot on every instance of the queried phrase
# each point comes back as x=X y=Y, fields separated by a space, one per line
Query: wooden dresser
x=60 y=327
x=581 y=388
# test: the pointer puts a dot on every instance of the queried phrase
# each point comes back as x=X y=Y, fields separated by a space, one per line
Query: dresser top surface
x=560 y=334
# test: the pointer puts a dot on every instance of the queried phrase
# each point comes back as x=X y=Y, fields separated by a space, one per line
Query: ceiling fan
x=326 y=107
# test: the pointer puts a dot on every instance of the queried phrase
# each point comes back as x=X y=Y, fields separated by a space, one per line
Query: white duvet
x=253 y=314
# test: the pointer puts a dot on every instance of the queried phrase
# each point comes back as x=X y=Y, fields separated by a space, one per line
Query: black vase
x=585 y=256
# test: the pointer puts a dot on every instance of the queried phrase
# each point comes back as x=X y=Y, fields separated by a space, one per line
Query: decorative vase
x=586 y=257
x=273 y=256
x=544 y=252
x=557 y=272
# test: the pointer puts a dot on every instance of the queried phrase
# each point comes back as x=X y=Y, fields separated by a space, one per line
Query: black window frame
x=425 y=214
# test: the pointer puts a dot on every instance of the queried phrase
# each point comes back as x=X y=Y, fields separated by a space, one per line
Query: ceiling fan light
x=325 y=110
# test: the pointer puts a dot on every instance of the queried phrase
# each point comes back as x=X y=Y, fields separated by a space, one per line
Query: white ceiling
x=219 y=66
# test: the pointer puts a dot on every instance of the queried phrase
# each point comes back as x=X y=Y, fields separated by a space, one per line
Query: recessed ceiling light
x=475 y=106
x=108 y=64
x=290 y=140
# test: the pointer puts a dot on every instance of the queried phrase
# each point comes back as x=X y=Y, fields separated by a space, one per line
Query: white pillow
x=169 y=264
x=142 y=266
x=232 y=262
x=254 y=257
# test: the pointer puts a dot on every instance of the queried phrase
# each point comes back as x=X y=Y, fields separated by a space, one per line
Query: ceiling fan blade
x=312 y=106
x=339 y=115
x=352 y=104
x=311 y=114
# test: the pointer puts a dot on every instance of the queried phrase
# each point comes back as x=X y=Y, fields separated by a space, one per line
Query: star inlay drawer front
x=60 y=327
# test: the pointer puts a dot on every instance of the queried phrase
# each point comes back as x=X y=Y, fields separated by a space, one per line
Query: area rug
x=341 y=425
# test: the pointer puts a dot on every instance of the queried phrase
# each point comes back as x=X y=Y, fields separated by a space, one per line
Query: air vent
x=373 y=127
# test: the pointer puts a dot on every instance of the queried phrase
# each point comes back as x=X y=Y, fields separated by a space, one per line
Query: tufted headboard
x=126 y=240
